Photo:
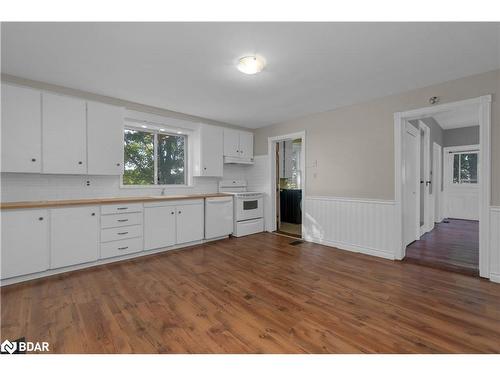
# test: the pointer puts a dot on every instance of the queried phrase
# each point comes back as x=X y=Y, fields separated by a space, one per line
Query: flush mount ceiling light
x=251 y=64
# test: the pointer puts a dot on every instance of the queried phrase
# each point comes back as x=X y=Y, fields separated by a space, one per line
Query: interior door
x=411 y=183
x=436 y=181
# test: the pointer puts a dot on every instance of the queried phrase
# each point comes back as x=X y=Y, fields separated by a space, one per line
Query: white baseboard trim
x=495 y=277
x=354 y=248
x=99 y=262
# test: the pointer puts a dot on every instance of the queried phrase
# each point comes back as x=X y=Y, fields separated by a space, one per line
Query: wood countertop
x=99 y=201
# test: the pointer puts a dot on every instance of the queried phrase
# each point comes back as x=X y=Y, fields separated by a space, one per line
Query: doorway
x=287 y=172
x=445 y=211
x=289 y=187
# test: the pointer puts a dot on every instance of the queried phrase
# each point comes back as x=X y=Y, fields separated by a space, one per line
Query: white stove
x=248 y=207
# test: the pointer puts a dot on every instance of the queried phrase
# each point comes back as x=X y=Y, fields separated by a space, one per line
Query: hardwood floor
x=452 y=246
x=256 y=294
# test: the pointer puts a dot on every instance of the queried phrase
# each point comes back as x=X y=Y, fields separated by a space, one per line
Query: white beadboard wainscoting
x=365 y=226
x=495 y=244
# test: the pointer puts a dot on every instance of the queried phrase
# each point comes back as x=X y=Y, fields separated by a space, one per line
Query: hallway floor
x=452 y=246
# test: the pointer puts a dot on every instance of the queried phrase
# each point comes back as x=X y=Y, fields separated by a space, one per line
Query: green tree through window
x=139 y=154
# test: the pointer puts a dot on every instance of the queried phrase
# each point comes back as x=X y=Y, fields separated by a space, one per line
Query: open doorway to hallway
x=289 y=187
x=442 y=185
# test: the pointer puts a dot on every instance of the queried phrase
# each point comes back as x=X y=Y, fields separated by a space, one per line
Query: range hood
x=237 y=160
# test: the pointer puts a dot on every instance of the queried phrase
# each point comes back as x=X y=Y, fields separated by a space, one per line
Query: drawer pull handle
x=122 y=220
x=123 y=248
x=121 y=233
x=122 y=208
x=40 y=218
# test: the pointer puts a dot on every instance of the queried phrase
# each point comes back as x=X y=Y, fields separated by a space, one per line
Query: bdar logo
x=8 y=347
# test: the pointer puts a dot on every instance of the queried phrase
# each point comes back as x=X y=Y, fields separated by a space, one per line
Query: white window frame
x=459 y=168
x=155 y=132
x=448 y=153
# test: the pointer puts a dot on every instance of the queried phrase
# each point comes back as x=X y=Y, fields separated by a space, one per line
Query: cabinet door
x=21 y=130
x=211 y=151
x=64 y=135
x=25 y=236
x=159 y=227
x=190 y=222
x=105 y=139
x=231 y=143
x=246 y=145
x=74 y=236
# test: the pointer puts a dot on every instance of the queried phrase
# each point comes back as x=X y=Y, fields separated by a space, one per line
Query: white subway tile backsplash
x=28 y=186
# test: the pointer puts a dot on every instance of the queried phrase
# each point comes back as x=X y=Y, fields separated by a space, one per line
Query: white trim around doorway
x=484 y=108
x=271 y=149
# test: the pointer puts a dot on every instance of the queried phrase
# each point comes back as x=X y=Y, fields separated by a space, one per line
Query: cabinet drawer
x=114 y=234
x=121 y=220
x=122 y=247
x=108 y=209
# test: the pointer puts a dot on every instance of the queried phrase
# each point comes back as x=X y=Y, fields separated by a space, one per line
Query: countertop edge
x=101 y=201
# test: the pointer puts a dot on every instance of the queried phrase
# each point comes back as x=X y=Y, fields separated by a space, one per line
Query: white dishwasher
x=218 y=217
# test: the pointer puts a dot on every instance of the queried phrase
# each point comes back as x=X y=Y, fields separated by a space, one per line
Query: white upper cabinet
x=25 y=242
x=238 y=146
x=21 y=130
x=64 y=135
x=208 y=160
x=74 y=236
x=105 y=139
x=231 y=143
x=246 y=145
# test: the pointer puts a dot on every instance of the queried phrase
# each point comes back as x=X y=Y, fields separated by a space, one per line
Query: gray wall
x=461 y=136
x=354 y=145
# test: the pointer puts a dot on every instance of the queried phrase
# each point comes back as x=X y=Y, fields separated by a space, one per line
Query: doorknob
x=427 y=183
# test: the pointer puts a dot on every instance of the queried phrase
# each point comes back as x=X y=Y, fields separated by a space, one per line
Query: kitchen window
x=465 y=167
x=154 y=157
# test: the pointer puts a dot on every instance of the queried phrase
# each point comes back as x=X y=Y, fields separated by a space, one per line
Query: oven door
x=249 y=208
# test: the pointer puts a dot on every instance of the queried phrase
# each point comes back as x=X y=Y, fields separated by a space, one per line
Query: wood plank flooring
x=256 y=294
x=452 y=246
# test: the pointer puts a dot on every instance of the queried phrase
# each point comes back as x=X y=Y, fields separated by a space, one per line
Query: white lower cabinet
x=74 y=236
x=190 y=221
x=25 y=242
x=170 y=223
x=159 y=226
x=121 y=229
x=121 y=247
x=39 y=240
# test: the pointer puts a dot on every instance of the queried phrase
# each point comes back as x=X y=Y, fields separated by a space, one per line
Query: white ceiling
x=461 y=117
x=190 y=67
